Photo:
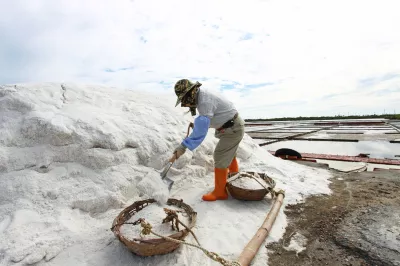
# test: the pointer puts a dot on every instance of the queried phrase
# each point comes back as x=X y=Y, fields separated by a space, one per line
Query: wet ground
x=359 y=224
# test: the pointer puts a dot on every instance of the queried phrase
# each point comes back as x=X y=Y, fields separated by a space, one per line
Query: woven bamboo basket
x=156 y=246
x=250 y=194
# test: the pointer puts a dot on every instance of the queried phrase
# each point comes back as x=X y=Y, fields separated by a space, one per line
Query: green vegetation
x=385 y=116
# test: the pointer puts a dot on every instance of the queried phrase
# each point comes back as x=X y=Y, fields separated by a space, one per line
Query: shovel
x=169 y=182
x=164 y=172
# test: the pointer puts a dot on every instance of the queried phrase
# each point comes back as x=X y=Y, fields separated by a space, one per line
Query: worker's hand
x=179 y=151
x=173 y=158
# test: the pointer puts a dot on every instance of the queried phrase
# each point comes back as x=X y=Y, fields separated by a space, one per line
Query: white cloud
x=308 y=50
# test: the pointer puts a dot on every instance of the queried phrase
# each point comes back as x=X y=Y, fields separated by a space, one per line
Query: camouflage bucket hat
x=182 y=87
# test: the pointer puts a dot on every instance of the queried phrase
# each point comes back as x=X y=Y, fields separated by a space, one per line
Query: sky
x=270 y=58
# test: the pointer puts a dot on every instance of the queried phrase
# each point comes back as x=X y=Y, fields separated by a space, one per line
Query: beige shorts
x=228 y=144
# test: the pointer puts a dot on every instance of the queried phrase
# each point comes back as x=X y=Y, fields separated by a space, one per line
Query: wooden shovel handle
x=173 y=158
x=191 y=125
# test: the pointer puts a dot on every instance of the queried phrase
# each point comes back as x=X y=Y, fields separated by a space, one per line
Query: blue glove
x=200 y=130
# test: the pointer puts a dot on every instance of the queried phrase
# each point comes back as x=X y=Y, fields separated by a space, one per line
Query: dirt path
x=359 y=224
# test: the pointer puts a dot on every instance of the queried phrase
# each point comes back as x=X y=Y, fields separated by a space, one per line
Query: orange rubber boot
x=234 y=166
x=219 y=192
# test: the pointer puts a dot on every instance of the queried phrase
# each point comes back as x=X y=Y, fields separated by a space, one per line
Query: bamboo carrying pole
x=254 y=244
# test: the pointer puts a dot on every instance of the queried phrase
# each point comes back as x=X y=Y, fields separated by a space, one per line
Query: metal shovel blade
x=164 y=177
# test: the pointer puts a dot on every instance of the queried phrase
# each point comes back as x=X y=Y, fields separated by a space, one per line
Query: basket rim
x=127 y=214
x=247 y=189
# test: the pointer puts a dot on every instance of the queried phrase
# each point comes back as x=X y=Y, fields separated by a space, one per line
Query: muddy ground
x=358 y=224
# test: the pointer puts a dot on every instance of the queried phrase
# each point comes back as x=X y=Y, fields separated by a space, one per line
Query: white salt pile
x=73 y=156
x=249 y=183
x=153 y=214
x=153 y=187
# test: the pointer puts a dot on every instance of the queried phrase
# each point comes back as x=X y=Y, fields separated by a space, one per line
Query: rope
x=212 y=255
x=244 y=174
x=267 y=179
x=173 y=216
x=276 y=193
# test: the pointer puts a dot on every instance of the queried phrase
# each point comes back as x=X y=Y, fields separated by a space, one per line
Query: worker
x=216 y=112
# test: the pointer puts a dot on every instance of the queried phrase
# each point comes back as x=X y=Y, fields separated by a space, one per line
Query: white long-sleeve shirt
x=215 y=106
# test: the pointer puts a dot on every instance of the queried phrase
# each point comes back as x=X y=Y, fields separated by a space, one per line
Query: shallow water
x=376 y=149
x=346 y=166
